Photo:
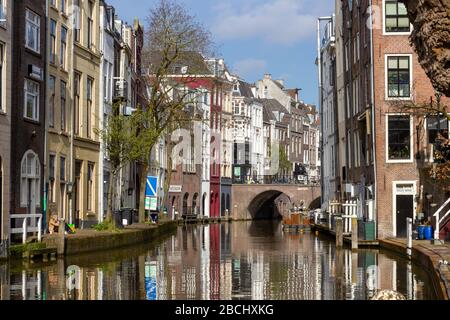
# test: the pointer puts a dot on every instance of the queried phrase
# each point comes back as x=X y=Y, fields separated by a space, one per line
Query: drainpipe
x=373 y=119
x=46 y=76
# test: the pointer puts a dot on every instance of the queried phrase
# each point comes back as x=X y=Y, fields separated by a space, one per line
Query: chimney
x=268 y=76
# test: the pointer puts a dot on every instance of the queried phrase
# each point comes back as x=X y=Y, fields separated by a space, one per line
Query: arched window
x=194 y=203
x=30 y=178
x=185 y=203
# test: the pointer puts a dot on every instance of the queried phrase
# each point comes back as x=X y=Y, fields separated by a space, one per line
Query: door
x=405 y=209
x=32 y=189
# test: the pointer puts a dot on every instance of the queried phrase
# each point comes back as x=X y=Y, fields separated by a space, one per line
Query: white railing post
x=24 y=231
x=40 y=229
x=438 y=220
x=409 y=236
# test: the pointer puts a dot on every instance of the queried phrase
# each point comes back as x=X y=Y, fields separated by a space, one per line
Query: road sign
x=151 y=189
x=151 y=203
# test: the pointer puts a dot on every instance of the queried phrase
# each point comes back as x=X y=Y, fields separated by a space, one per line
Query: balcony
x=120 y=88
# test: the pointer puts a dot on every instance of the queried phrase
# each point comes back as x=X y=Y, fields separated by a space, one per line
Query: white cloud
x=284 y=22
x=249 y=67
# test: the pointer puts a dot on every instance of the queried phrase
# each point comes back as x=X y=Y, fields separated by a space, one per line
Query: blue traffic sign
x=152 y=187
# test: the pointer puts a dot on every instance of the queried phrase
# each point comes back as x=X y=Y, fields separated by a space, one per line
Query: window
x=62 y=169
x=89 y=106
x=237 y=109
x=52 y=41
x=53 y=3
x=76 y=102
x=76 y=17
x=357 y=49
x=63 y=106
x=399 y=77
x=90 y=24
x=63 y=6
x=51 y=103
x=31 y=100
x=396 y=17
x=399 y=138
x=2 y=109
x=2 y=12
x=51 y=177
x=90 y=190
x=32 y=29
x=62 y=58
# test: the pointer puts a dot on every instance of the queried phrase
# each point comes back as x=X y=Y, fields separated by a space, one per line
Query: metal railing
x=289 y=179
x=26 y=227
x=440 y=218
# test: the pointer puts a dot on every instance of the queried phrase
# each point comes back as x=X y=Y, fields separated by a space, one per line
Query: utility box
x=369 y=230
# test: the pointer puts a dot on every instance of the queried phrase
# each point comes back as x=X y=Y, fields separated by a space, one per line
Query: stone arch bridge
x=262 y=201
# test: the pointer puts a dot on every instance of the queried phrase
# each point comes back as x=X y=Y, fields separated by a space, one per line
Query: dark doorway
x=223 y=205
x=405 y=208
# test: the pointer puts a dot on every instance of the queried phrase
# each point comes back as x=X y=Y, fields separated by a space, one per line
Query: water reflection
x=230 y=261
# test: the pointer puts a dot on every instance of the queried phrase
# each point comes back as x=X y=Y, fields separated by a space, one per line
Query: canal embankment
x=88 y=241
x=432 y=256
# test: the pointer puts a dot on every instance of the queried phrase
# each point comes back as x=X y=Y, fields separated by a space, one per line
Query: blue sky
x=256 y=36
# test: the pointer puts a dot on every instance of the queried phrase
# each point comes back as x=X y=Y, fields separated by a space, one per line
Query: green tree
x=116 y=135
x=284 y=164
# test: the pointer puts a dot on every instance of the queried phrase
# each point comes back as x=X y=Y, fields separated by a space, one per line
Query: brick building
x=382 y=145
x=28 y=107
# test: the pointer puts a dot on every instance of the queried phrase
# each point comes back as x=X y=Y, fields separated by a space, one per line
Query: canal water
x=242 y=260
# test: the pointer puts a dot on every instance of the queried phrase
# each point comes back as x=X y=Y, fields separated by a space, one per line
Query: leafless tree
x=174 y=40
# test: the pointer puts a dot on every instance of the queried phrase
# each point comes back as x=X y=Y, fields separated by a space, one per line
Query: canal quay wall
x=85 y=241
x=431 y=257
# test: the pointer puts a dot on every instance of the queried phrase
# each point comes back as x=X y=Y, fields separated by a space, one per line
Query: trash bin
x=135 y=216
x=118 y=219
x=127 y=216
x=421 y=232
x=428 y=232
x=369 y=230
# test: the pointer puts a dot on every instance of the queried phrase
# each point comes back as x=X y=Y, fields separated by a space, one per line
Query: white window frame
x=411 y=129
x=394 y=202
x=2 y=77
x=34 y=173
x=37 y=24
x=63 y=48
x=385 y=33
x=386 y=76
x=35 y=116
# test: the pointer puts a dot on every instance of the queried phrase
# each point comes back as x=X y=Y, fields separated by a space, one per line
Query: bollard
x=354 y=233
x=339 y=232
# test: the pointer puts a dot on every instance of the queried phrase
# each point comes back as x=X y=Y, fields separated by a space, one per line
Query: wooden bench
x=46 y=254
